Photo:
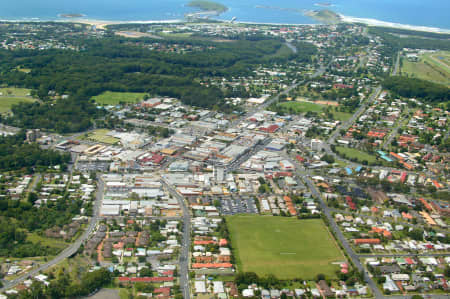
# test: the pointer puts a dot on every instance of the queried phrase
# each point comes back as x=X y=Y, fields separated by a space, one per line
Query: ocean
x=431 y=13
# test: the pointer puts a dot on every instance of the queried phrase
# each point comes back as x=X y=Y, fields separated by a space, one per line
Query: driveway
x=105 y=294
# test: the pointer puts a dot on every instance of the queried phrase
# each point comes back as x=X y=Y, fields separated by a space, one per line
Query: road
x=397 y=65
x=400 y=121
x=72 y=249
x=34 y=182
x=345 y=125
x=334 y=227
x=238 y=162
x=404 y=118
x=292 y=47
x=347 y=247
x=267 y=103
x=404 y=255
x=186 y=242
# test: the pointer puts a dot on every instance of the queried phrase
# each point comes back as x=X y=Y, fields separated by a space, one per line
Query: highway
x=186 y=241
x=72 y=249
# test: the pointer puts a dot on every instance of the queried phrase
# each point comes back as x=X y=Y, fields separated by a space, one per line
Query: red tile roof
x=211 y=265
x=145 y=279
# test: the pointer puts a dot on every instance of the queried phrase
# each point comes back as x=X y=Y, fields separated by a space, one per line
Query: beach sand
x=374 y=22
x=100 y=24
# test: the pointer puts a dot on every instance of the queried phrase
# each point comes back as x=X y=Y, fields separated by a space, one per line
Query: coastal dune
x=374 y=22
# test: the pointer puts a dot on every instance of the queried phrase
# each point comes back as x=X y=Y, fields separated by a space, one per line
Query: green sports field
x=101 y=135
x=114 y=98
x=349 y=153
x=303 y=107
x=286 y=247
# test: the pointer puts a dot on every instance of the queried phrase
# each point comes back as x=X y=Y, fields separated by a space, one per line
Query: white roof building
x=218 y=287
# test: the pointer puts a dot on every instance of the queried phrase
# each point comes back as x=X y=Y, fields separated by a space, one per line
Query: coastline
x=379 y=23
x=101 y=24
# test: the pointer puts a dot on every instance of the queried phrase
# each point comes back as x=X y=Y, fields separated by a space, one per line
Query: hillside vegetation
x=115 y=65
x=208 y=5
x=417 y=88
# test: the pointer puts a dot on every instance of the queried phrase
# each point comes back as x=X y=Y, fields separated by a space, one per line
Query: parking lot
x=237 y=205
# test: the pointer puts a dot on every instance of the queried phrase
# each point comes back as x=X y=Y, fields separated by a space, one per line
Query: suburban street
x=334 y=227
x=250 y=112
x=184 y=255
x=345 y=125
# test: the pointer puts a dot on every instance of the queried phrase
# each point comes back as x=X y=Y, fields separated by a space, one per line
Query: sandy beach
x=100 y=24
x=374 y=22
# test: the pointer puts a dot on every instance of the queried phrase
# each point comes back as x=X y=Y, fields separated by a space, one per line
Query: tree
x=416 y=234
x=447 y=271
x=32 y=197
x=320 y=277
x=403 y=209
x=146 y=272
x=328 y=158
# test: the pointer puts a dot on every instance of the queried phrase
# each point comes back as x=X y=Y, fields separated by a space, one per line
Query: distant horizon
x=412 y=14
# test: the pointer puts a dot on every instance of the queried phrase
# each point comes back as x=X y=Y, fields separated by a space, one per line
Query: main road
x=334 y=227
x=186 y=242
x=346 y=124
x=319 y=72
x=355 y=258
x=72 y=249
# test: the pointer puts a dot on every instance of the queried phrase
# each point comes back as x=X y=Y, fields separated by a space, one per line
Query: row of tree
x=417 y=88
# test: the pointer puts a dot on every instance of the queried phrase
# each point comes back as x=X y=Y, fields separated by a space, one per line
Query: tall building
x=219 y=174
x=316 y=145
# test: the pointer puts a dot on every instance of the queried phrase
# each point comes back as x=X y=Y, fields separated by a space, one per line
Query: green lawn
x=100 y=135
x=348 y=153
x=7 y=102
x=114 y=98
x=433 y=67
x=286 y=247
x=13 y=91
x=342 y=116
x=441 y=58
x=124 y=294
x=51 y=242
x=303 y=107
